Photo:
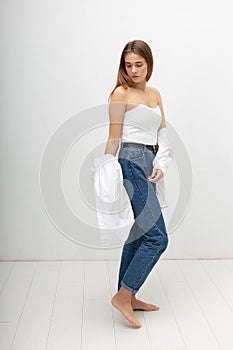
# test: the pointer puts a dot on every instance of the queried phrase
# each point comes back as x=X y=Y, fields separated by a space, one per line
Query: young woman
x=133 y=99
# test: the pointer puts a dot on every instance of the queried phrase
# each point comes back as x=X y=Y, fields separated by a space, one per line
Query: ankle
x=125 y=293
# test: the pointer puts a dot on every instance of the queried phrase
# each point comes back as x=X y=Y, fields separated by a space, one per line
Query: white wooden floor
x=66 y=306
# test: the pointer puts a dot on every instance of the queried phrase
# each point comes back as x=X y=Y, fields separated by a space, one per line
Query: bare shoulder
x=119 y=94
x=155 y=92
x=117 y=104
x=158 y=98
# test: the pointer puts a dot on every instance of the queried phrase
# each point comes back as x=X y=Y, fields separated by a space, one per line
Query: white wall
x=61 y=57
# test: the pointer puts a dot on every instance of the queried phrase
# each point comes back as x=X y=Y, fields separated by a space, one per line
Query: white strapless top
x=141 y=125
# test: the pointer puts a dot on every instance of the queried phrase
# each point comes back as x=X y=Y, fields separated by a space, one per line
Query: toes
x=127 y=311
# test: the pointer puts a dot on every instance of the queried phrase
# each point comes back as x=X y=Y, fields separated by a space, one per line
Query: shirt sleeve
x=164 y=156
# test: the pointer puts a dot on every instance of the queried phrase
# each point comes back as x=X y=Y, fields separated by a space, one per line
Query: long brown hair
x=140 y=48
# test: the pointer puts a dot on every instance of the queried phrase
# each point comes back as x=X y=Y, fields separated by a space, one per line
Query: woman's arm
x=160 y=103
x=163 y=157
x=117 y=109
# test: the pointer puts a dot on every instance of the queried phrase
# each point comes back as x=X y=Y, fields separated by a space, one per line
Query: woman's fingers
x=156 y=175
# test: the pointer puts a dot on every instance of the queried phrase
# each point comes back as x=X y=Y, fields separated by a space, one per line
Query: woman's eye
x=137 y=65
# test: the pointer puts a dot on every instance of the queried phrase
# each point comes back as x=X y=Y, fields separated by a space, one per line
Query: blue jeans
x=148 y=237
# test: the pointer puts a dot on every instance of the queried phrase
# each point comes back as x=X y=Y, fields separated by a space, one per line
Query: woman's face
x=136 y=67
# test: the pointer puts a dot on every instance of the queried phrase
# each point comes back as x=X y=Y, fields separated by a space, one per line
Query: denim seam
x=142 y=274
x=147 y=208
x=145 y=270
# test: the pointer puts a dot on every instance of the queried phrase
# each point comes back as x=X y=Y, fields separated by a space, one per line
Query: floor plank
x=14 y=293
x=66 y=321
x=96 y=284
x=7 y=331
x=222 y=278
x=98 y=331
x=160 y=323
x=195 y=329
x=216 y=310
x=33 y=328
x=67 y=305
x=5 y=270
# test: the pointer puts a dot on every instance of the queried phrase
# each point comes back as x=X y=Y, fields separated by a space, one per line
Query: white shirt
x=114 y=212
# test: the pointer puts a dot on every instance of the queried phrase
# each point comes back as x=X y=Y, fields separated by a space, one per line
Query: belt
x=153 y=148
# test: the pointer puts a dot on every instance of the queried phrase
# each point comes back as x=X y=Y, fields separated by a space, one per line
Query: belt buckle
x=153 y=148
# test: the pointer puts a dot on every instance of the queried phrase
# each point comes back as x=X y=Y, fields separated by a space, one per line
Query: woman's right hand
x=156 y=175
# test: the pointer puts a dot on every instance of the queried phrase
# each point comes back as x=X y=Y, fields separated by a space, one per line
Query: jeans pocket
x=132 y=154
x=135 y=154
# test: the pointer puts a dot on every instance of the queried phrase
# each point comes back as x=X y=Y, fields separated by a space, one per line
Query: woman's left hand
x=156 y=175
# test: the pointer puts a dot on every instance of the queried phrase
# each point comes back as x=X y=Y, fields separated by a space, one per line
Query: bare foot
x=125 y=308
x=140 y=305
